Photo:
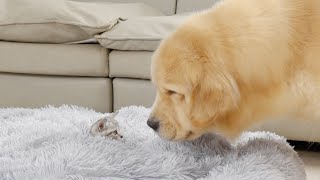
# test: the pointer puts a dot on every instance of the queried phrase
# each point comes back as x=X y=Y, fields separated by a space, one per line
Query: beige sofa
x=36 y=75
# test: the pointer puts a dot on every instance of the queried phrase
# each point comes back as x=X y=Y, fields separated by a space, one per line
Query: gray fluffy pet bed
x=55 y=143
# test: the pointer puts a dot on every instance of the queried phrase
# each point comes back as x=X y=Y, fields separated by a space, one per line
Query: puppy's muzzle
x=153 y=123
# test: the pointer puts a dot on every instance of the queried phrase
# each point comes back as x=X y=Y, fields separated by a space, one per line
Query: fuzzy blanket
x=55 y=143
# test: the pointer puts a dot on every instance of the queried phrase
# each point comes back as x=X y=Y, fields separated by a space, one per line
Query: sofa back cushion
x=194 y=5
x=166 y=6
x=140 y=33
x=60 y=21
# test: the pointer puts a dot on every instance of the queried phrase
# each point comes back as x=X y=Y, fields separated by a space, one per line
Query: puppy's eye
x=170 y=92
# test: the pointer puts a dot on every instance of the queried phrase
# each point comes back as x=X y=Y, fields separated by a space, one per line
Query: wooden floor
x=312 y=164
x=310 y=154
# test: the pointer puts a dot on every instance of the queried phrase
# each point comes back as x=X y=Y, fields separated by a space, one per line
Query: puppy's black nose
x=153 y=123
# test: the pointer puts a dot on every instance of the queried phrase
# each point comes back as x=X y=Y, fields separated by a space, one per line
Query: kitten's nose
x=153 y=123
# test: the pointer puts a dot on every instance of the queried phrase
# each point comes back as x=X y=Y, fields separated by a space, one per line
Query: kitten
x=107 y=127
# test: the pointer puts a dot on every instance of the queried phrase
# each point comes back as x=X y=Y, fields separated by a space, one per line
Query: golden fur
x=236 y=64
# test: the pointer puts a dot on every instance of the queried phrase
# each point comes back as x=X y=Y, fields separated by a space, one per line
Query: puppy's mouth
x=188 y=136
x=171 y=133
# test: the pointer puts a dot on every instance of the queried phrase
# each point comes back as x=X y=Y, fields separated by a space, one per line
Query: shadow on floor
x=305 y=146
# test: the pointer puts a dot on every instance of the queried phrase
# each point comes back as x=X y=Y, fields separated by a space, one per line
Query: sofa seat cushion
x=61 y=21
x=54 y=59
x=130 y=64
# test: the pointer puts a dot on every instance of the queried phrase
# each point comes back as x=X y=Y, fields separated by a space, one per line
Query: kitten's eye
x=115 y=132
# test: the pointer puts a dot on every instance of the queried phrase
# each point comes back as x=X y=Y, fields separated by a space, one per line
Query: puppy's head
x=195 y=89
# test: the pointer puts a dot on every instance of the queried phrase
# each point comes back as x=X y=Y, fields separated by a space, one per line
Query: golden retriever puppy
x=236 y=64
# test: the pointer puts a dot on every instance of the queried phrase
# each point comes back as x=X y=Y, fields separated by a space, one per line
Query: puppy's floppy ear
x=218 y=91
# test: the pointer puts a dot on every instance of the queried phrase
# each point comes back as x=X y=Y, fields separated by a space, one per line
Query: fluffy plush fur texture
x=55 y=143
x=238 y=63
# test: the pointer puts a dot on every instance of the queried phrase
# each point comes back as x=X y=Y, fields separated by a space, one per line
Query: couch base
x=128 y=92
x=37 y=91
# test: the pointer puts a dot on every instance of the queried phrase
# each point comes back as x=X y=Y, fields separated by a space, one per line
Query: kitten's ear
x=101 y=125
x=98 y=126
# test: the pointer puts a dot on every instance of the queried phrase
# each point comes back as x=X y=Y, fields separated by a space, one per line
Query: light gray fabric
x=130 y=64
x=38 y=91
x=55 y=143
x=62 y=21
x=166 y=6
x=54 y=59
x=140 y=33
x=302 y=130
x=128 y=92
x=192 y=5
